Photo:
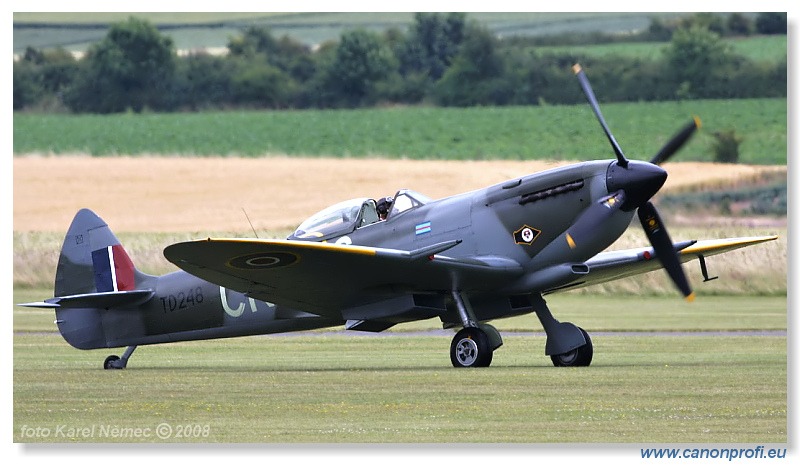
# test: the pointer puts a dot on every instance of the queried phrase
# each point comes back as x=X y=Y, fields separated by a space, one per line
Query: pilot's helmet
x=384 y=205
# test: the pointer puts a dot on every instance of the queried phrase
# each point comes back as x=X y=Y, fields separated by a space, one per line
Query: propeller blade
x=587 y=90
x=676 y=142
x=665 y=251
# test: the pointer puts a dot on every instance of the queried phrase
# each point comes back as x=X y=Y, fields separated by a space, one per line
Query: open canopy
x=345 y=217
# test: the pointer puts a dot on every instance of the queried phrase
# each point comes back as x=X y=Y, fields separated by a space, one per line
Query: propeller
x=665 y=251
x=587 y=90
x=677 y=141
x=639 y=181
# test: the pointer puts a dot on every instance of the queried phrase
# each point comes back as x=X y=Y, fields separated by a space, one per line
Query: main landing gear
x=567 y=345
x=113 y=362
x=474 y=345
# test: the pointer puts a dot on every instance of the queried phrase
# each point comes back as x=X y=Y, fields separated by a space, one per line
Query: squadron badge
x=526 y=235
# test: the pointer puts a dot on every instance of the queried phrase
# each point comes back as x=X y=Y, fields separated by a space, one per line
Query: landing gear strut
x=567 y=345
x=474 y=345
x=113 y=362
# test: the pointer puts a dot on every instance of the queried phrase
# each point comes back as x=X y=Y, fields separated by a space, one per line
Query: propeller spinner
x=640 y=181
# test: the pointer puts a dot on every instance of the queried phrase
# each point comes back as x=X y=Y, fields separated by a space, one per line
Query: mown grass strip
x=542 y=132
x=344 y=389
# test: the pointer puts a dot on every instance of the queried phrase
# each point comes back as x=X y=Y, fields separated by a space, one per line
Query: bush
x=771 y=23
x=726 y=146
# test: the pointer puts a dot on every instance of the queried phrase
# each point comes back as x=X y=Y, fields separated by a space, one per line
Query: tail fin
x=93 y=260
x=95 y=274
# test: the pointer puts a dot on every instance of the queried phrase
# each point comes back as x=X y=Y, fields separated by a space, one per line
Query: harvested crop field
x=175 y=194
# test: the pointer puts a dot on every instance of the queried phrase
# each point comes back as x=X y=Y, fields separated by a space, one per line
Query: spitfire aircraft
x=466 y=259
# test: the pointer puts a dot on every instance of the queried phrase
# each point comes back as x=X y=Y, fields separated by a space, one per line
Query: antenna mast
x=251 y=223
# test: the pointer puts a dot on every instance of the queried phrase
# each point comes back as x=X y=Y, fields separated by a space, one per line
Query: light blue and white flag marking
x=423 y=228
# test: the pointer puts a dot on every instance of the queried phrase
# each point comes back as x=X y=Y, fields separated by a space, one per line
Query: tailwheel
x=114 y=362
x=471 y=348
x=578 y=357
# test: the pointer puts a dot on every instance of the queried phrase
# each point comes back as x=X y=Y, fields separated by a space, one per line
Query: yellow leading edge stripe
x=718 y=244
x=293 y=245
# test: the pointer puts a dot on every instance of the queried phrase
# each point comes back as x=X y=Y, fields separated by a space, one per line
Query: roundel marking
x=263 y=261
x=527 y=234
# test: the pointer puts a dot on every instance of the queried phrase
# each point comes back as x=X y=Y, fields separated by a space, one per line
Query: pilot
x=384 y=205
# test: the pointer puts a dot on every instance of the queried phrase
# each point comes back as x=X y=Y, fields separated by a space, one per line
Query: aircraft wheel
x=470 y=348
x=110 y=362
x=580 y=357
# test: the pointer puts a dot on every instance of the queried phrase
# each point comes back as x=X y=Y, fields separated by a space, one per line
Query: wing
x=323 y=278
x=609 y=266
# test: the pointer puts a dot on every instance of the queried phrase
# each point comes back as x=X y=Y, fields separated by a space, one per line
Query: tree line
x=442 y=59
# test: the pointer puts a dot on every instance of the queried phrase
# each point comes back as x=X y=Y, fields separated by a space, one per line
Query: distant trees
x=475 y=75
x=442 y=59
x=360 y=62
x=739 y=25
x=131 y=68
x=41 y=77
x=771 y=23
x=697 y=59
x=431 y=44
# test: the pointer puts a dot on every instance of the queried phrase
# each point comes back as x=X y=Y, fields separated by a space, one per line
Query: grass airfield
x=664 y=371
x=681 y=385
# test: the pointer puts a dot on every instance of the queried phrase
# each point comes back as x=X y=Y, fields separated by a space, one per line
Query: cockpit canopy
x=341 y=217
x=345 y=217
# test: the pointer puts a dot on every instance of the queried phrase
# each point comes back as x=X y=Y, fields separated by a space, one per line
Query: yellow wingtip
x=690 y=297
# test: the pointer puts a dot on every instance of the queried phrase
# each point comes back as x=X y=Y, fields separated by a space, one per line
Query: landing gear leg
x=474 y=345
x=567 y=345
x=113 y=362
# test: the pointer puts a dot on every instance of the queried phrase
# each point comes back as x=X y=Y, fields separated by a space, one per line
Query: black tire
x=580 y=357
x=109 y=363
x=470 y=349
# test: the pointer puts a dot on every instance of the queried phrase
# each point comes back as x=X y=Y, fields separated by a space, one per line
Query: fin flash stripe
x=113 y=269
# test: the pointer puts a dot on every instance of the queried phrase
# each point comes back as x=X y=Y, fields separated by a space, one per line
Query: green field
x=325 y=387
x=77 y=31
x=770 y=49
x=542 y=132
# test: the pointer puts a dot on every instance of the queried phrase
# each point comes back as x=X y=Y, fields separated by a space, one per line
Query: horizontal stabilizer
x=96 y=300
